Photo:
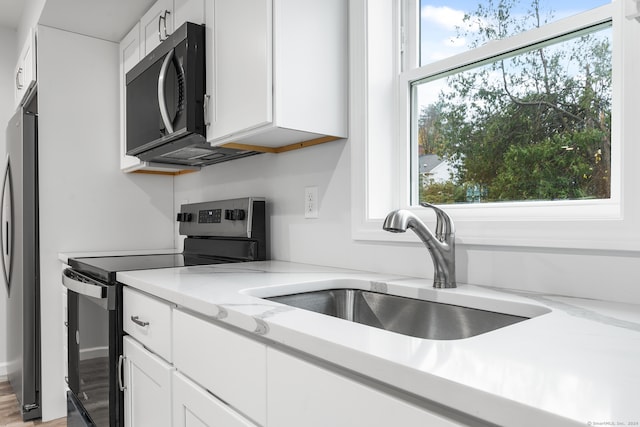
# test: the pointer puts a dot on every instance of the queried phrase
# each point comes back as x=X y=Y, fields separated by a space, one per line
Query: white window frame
x=380 y=133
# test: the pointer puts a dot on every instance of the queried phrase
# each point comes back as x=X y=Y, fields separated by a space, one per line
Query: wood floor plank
x=10 y=412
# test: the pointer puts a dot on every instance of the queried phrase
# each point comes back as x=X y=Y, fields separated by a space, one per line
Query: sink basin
x=407 y=316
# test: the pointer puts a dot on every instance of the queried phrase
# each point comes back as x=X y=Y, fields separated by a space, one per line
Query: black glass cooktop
x=105 y=268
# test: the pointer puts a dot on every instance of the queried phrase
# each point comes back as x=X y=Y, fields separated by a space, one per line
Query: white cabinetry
x=188 y=11
x=148 y=320
x=277 y=72
x=229 y=365
x=165 y=16
x=156 y=25
x=300 y=393
x=147 y=381
x=129 y=57
x=225 y=369
x=25 y=71
x=195 y=407
x=147 y=372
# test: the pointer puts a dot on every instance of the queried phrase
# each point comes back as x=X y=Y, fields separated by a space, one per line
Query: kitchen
x=88 y=204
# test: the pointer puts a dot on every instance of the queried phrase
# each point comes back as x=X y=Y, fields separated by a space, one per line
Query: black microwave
x=165 y=102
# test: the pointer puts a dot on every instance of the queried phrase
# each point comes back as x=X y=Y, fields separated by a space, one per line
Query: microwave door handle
x=161 y=98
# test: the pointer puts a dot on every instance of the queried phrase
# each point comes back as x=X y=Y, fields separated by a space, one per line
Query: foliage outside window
x=530 y=124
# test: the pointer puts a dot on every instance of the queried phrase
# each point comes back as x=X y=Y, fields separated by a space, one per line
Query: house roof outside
x=428 y=162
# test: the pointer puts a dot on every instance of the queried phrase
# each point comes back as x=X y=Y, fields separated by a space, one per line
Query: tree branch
x=521 y=102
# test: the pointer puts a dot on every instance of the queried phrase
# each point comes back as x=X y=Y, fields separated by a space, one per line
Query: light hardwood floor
x=10 y=416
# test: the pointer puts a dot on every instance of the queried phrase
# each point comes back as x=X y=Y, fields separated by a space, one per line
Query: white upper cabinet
x=277 y=71
x=156 y=25
x=240 y=78
x=25 y=71
x=164 y=17
x=129 y=57
x=188 y=11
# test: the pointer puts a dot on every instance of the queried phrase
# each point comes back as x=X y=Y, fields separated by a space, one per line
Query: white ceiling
x=108 y=20
x=10 y=12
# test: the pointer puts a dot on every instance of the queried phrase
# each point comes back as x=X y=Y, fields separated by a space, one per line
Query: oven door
x=94 y=345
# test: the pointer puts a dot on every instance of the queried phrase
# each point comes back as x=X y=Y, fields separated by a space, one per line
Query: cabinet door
x=195 y=407
x=156 y=25
x=188 y=11
x=147 y=378
x=230 y=365
x=25 y=71
x=240 y=80
x=302 y=394
x=129 y=57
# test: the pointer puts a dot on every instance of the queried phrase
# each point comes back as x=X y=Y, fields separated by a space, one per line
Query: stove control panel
x=210 y=216
x=224 y=218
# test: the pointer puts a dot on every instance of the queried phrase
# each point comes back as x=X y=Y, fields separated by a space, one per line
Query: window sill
x=592 y=225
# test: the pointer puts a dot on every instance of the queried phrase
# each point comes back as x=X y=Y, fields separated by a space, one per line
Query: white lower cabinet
x=147 y=381
x=193 y=406
x=223 y=378
x=228 y=364
x=303 y=394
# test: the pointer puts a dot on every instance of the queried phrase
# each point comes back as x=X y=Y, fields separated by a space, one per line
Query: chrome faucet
x=441 y=246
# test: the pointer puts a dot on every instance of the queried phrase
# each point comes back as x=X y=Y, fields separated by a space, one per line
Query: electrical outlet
x=311 y=202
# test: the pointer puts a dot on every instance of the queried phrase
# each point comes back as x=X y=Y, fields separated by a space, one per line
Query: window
x=595 y=206
x=527 y=120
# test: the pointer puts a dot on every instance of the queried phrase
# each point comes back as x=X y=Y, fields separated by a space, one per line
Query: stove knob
x=234 y=214
x=184 y=217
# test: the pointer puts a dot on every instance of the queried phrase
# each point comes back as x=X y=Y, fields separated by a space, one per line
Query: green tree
x=533 y=126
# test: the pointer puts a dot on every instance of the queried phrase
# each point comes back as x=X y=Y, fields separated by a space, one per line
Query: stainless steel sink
x=408 y=316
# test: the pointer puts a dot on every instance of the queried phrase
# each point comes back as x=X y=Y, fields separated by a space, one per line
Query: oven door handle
x=82 y=285
x=121 y=384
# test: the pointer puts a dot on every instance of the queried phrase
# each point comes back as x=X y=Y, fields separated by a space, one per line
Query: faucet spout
x=441 y=245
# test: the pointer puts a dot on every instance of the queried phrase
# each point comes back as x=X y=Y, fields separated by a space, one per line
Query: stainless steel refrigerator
x=20 y=258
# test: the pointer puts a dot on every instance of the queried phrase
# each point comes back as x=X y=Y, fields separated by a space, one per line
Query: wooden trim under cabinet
x=180 y=172
x=284 y=148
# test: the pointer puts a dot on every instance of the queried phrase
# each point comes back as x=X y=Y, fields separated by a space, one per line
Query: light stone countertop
x=576 y=362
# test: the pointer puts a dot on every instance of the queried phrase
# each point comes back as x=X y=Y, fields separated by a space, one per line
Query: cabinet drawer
x=303 y=394
x=148 y=320
x=229 y=365
x=194 y=406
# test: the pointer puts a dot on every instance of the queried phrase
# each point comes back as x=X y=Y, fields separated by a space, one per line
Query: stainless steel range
x=217 y=232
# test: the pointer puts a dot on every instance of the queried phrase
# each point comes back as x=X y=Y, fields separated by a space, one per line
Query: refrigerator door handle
x=7 y=229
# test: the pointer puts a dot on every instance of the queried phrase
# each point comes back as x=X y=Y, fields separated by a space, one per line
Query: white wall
x=86 y=203
x=327 y=240
x=8 y=58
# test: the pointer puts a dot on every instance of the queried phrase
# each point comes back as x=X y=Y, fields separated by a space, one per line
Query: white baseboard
x=94 y=352
x=3 y=371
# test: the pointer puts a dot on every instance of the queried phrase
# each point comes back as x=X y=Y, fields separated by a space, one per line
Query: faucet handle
x=444 y=225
